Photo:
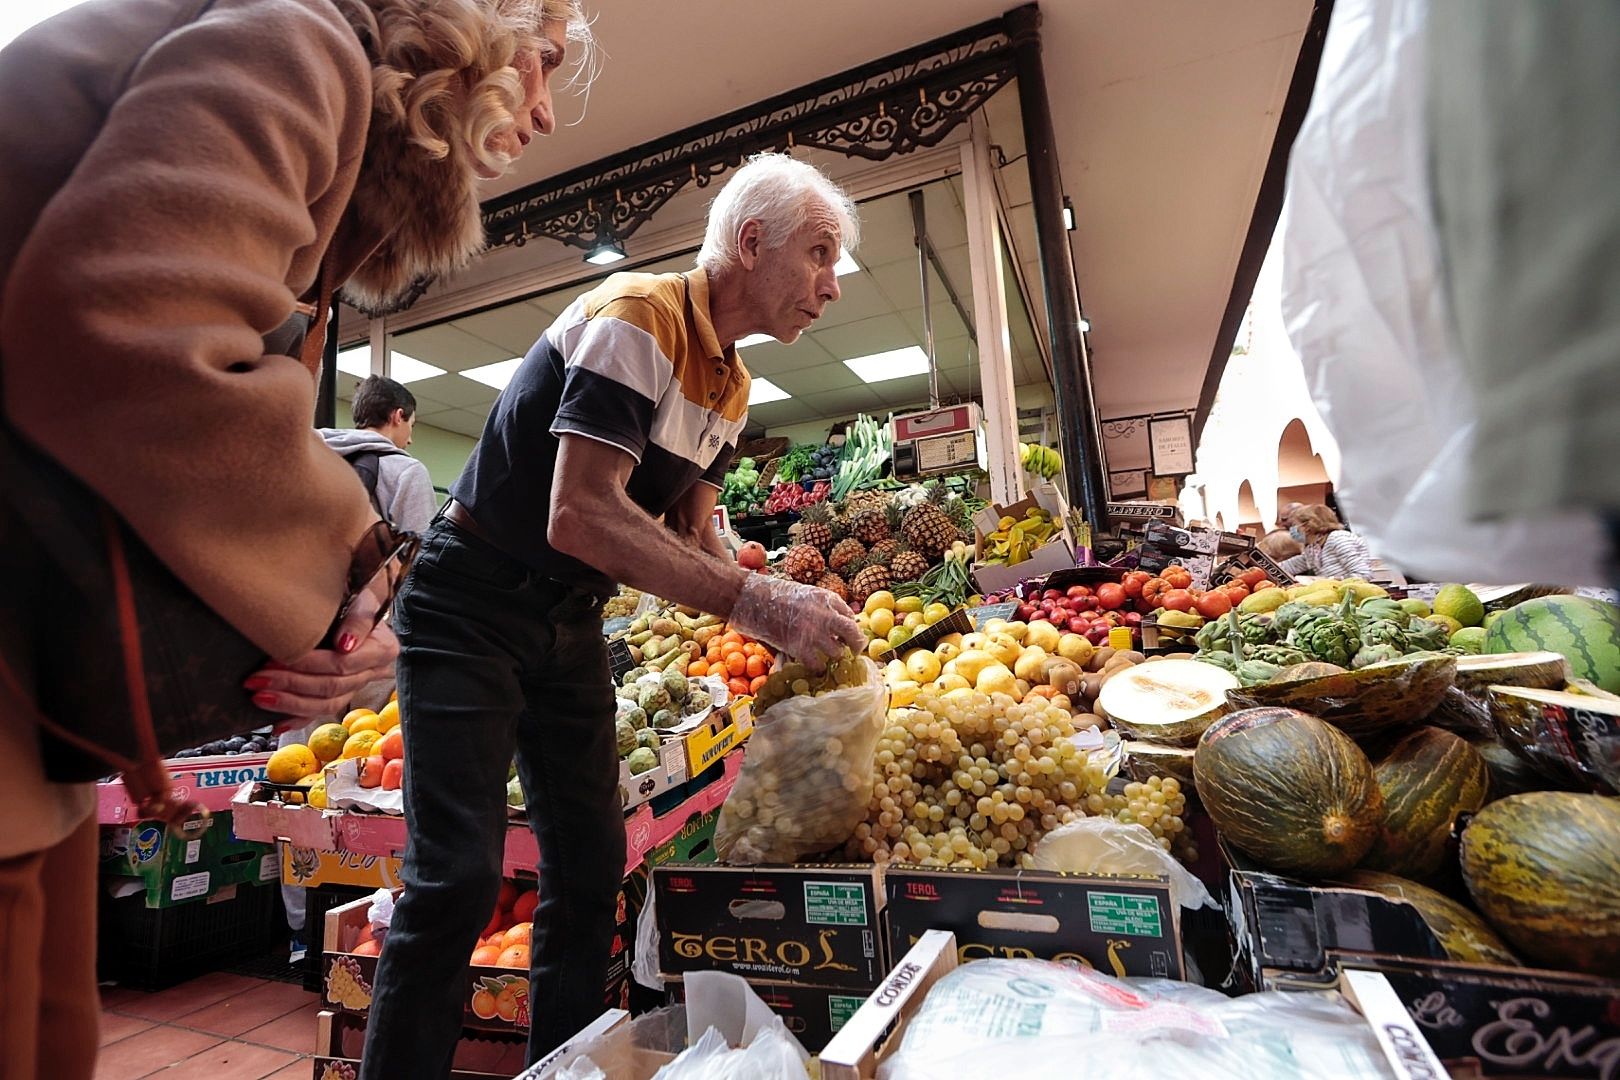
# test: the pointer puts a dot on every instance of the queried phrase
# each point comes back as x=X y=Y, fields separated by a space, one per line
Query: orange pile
x=741 y=662
x=505 y=939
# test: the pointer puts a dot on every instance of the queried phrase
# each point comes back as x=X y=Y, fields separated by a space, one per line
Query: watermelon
x=1428 y=779
x=1295 y=793
x=1543 y=868
x=1466 y=937
x=1585 y=631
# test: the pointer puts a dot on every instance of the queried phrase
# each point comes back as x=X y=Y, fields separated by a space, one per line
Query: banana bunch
x=1015 y=539
x=1043 y=461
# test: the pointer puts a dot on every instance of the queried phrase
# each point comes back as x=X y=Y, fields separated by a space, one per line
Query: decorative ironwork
x=896 y=105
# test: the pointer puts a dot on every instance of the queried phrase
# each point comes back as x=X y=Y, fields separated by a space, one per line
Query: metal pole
x=919 y=233
x=326 y=388
x=1083 y=467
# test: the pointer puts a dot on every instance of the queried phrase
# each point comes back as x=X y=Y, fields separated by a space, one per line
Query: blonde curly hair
x=446 y=73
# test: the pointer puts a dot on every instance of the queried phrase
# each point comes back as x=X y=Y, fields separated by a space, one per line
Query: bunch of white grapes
x=969 y=779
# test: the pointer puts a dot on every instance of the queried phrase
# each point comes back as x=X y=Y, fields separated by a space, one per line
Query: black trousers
x=495 y=660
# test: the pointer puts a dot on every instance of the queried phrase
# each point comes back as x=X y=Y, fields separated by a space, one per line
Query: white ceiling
x=1165 y=112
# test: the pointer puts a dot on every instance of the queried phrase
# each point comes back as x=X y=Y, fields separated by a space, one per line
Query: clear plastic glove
x=809 y=624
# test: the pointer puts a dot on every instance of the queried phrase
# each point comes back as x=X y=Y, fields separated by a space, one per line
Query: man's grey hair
x=781 y=194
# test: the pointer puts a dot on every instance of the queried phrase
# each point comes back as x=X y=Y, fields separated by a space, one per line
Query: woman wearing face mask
x=1331 y=550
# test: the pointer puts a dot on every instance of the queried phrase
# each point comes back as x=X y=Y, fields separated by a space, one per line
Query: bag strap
x=314 y=348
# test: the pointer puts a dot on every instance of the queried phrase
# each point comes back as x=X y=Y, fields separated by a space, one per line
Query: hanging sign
x=1170 y=439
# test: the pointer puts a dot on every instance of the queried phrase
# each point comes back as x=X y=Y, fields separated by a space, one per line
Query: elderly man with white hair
x=625 y=412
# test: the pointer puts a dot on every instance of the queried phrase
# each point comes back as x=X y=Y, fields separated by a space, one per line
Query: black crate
x=317 y=902
x=155 y=948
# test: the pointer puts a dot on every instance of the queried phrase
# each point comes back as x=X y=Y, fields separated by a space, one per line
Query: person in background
x=185 y=185
x=1331 y=550
x=384 y=419
x=626 y=411
x=1280 y=545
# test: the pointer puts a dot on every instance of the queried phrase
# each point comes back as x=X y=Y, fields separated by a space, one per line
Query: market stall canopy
x=1165 y=116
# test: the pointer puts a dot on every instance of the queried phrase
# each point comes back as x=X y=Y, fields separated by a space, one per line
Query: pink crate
x=211 y=781
x=301 y=826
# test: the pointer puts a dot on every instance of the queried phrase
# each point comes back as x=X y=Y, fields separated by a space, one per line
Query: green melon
x=1144 y=760
x=1510 y=773
x=1544 y=868
x=1428 y=779
x=1295 y=793
x=1585 y=631
x=1364 y=703
x=1466 y=937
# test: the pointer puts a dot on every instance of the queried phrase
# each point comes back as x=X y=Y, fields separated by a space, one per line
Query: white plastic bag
x=807 y=776
x=1100 y=845
x=1046 y=1017
x=1364 y=303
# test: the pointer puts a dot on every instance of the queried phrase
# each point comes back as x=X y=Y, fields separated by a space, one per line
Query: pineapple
x=909 y=565
x=868 y=580
x=803 y=563
x=869 y=526
x=845 y=554
x=816 y=527
x=883 y=552
x=927 y=527
x=834 y=584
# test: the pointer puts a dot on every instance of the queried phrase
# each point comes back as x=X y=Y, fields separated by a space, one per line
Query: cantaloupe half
x=1168 y=701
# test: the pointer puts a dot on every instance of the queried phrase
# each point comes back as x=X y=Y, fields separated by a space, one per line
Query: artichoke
x=626 y=736
x=1281 y=655
x=1422 y=634
x=1374 y=654
x=1285 y=617
x=1221 y=659
x=1381 y=610
x=1212 y=636
x=1256 y=629
x=1254 y=672
x=1383 y=632
x=1332 y=640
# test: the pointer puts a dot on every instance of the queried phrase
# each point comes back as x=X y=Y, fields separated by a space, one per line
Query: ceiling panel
x=513 y=328
x=838 y=404
x=455 y=391
x=899 y=281
x=778 y=414
x=859 y=299
x=771 y=358
x=465 y=421
x=866 y=337
x=448 y=347
x=820 y=379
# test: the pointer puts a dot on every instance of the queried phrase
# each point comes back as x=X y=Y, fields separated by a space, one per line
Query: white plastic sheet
x=1099 y=845
x=1364 y=303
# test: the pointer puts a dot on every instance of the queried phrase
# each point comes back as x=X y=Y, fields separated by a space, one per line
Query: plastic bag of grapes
x=808 y=775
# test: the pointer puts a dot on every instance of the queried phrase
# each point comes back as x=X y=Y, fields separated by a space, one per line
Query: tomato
x=1178 y=600
x=1213 y=604
x=1264 y=585
x=1179 y=577
x=1252 y=576
x=1237 y=592
x=1133 y=582
x=1153 y=591
x=1110 y=595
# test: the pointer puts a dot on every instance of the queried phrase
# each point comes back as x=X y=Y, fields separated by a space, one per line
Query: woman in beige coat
x=178 y=175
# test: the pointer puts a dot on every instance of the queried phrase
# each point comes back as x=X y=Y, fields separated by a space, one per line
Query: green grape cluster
x=968 y=779
x=1158 y=804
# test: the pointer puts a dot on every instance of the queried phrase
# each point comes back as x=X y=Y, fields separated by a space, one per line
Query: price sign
x=619 y=658
x=986 y=612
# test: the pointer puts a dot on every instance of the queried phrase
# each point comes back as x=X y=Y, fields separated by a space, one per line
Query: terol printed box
x=807 y=925
x=1119 y=925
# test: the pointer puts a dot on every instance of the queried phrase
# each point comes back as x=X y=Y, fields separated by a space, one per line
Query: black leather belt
x=462 y=519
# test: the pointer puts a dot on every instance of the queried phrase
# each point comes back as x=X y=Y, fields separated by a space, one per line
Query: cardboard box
x=810 y=925
x=878 y=1025
x=690 y=754
x=1119 y=925
x=210 y=781
x=310 y=868
x=339 y=1040
x=173 y=864
x=1495 y=1021
x=1056 y=554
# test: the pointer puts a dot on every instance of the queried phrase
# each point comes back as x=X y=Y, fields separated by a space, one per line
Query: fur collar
x=411 y=218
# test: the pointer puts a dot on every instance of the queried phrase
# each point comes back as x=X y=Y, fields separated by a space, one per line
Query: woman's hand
x=321 y=682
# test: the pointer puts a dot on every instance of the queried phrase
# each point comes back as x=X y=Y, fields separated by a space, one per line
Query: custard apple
x=625 y=733
x=698 y=701
x=649 y=738
x=636 y=717
x=654 y=698
x=642 y=760
x=663 y=718
x=675 y=683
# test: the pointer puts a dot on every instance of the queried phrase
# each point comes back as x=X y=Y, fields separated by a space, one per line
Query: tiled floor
x=217 y=1027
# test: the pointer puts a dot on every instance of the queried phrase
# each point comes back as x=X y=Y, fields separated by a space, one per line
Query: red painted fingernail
x=345 y=643
x=265 y=700
x=258 y=682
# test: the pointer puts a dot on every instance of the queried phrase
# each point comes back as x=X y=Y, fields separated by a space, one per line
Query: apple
x=1098 y=634
x=1026 y=611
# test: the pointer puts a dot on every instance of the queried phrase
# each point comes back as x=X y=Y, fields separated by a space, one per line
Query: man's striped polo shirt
x=633 y=363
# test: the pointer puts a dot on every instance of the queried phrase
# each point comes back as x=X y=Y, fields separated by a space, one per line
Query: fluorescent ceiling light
x=762 y=390
x=894 y=364
x=497 y=374
x=606 y=253
x=754 y=339
x=401 y=368
x=846 y=264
